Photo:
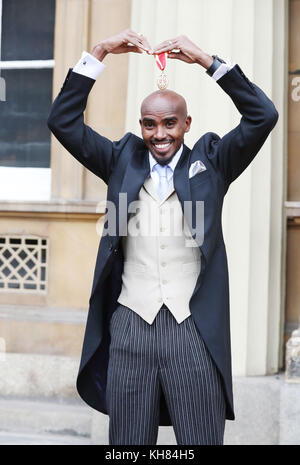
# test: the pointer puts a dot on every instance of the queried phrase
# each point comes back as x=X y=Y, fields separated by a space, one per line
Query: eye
x=148 y=124
x=170 y=123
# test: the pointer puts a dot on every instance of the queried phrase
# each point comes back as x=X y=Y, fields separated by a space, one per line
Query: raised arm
x=232 y=153
x=236 y=149
x=66 y=118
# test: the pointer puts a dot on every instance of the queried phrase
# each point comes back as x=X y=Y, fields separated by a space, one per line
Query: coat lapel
x=182 y=188
x=182 y=185
x=136 y=172
x=181 y=177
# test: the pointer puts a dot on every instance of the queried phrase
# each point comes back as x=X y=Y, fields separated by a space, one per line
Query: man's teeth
x=162 y=146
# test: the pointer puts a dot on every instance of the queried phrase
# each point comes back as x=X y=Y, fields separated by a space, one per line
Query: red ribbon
x=161 y=60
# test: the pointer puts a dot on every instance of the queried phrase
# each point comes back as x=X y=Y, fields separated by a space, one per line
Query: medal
x=161 y=61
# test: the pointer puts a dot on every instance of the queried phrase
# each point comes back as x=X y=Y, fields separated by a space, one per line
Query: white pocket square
x=196 y=168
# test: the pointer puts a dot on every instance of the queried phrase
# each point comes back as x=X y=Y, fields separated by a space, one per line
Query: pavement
x=22 y=439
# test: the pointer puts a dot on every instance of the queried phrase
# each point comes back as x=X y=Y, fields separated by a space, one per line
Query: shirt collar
x=172 y=163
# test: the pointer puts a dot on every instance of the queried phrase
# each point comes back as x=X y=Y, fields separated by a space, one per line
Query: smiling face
x=164 y=121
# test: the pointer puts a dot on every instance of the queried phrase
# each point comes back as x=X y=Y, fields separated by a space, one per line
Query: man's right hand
x=124 y=42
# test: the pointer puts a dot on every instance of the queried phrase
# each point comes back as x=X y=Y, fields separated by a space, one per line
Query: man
x=157 y=344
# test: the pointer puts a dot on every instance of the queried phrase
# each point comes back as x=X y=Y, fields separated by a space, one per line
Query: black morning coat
x=124 y=166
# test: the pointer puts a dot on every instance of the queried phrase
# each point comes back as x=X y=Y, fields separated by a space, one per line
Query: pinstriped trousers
x=165 y=355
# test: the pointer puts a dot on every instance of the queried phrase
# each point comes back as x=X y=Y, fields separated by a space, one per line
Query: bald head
x=164 y=101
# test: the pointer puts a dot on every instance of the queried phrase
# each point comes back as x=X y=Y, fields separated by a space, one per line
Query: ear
x=188 y=122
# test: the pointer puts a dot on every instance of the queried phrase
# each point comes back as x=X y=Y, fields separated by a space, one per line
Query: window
x=26 y=67
x=23 y=264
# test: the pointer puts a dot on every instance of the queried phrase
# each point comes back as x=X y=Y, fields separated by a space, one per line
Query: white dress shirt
x=152 y=162
x=89 y=66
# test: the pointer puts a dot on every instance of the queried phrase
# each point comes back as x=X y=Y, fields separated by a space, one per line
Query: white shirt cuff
x=89 y=66
x=223 y=69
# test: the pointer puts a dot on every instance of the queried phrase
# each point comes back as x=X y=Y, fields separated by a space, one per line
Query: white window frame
x=40 y=178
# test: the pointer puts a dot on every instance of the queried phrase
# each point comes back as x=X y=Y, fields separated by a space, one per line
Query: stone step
x=38 y=376
x=50 y=418
x=22 y=439
x=42 y=330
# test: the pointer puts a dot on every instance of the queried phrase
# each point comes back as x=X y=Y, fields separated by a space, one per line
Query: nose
x=160 y=133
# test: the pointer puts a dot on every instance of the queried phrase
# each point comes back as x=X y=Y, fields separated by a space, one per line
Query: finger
x=135 y=43
x=176 y=55
x=166 y=46
x=163 y=44
x=132 y=48
x=145 y=42
x=179 y=56
x=138 y=40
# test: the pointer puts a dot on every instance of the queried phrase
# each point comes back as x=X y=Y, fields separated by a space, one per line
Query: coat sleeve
x=232 y=153
x=66 y=121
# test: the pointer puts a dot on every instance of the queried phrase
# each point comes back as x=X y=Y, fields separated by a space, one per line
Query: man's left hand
x=182 y=48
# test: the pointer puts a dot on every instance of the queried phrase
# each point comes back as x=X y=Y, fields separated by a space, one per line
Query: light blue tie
x=163 y=185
